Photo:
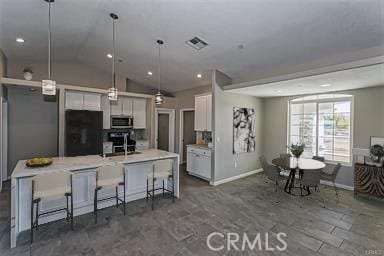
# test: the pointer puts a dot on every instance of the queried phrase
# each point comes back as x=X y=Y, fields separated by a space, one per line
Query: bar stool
x=46 y=187
x=162 y=170
x=110 y=176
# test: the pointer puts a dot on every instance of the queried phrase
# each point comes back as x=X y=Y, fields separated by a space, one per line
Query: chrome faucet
x=126 y=144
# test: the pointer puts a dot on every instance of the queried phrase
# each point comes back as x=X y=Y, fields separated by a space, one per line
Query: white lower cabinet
x=199 y=162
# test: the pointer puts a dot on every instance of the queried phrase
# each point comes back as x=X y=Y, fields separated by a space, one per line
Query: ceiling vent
x=197 y=43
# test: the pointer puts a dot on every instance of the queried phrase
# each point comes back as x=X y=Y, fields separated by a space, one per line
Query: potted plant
x=377 y=152
x=297 y=149
x=27 y=74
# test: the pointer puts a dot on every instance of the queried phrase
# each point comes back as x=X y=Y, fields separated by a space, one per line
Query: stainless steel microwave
x=121 y=122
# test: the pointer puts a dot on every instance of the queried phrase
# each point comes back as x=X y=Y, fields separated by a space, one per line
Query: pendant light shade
x=112 y=92
x=48 y=86
x=158 y=96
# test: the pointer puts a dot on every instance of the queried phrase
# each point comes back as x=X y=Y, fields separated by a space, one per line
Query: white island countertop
x=137 y=169
x=88 y=162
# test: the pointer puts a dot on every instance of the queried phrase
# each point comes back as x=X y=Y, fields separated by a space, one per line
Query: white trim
x=328 y=183
x=219 y=182
x=181 y=132
x=308 y=73
x=20 y=82
x=171 y=113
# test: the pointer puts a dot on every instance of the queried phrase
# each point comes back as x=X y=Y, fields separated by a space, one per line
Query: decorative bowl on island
x=39 y=162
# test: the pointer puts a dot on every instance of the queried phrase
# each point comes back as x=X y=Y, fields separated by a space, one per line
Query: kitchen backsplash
x=136 y=134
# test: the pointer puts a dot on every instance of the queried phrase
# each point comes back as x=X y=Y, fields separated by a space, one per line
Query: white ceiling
x=280 y=36
x=337 y=81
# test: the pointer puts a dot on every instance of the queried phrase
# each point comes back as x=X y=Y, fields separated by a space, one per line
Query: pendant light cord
x=159 y=70
x=114 y=55
x=49 y=40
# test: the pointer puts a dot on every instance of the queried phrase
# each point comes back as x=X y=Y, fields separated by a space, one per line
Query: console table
x=369 y=180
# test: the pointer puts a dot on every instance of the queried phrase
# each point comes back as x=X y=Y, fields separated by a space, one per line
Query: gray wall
x=3 y=68
x=181 y=99
x=224 y=159
x=367 y=121
x=33 y=125
x=74 y=73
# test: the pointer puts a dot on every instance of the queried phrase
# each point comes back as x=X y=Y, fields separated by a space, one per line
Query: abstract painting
x=243 y=130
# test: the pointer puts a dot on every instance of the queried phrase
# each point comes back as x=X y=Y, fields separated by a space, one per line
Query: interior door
x=189 y=134
x=163 y=132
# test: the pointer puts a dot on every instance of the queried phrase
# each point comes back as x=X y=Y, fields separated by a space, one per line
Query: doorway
x=165 y=129
x=187 y=131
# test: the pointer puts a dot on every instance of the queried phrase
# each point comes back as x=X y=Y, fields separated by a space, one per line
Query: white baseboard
x=328 y=183
x=215 y=183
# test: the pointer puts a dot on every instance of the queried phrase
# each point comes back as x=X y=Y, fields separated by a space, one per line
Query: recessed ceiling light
x=149 y=73
x=325 y=85
x=109 y=56
x=279 y=91
x=199 y=76
x=20 y=40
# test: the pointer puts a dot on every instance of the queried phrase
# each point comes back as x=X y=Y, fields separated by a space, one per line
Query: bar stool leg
x=71 y=205
x=147 y=190
x=71 y=211
x=173 y=186
x=66 y=196
x=37 y=215
x=117 y=196
x=32 y=222
x=163 y=188
x=124 y=196
x=153 y=191
x=95 y=205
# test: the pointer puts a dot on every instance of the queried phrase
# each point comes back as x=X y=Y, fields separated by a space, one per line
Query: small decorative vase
x=28 y=76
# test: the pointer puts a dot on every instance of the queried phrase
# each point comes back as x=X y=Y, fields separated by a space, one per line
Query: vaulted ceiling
x=276 y=36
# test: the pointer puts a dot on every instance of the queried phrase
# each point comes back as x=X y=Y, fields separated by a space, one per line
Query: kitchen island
x=83 y=168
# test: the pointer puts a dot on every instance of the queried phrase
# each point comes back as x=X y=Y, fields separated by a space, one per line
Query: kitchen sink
x=122 y=153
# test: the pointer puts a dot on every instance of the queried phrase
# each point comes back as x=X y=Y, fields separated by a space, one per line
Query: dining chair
x=271 y=171
x=330 y=174
x=285 y=155
x=318 y=158
x=310 y=178
x=110 y=176
x=48 y=187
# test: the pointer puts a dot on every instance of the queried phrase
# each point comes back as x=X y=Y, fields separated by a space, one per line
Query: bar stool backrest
x=52 y=181
x=163 y=166
x=109 y=172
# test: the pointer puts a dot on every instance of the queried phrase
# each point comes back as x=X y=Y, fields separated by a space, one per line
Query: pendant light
x=49 y=86
x=112 y=92
x=158 y=96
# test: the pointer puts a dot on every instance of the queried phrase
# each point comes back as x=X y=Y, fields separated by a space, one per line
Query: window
x=323 y=123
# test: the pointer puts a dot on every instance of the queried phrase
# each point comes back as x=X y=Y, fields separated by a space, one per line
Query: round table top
x=302 y=163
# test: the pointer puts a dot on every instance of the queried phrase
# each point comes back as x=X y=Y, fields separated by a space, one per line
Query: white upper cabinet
x=139 y=111
x=127 y=106
x=92 y=101
x=203 y=113
x=209 y=112
x=74 y=100
x=106 y=108
x=82 y=101
x=117 y=107
x=123 y=107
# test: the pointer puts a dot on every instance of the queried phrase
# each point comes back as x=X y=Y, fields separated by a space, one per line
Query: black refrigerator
x=83 y=132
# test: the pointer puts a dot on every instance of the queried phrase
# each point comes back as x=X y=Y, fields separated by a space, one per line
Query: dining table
x=297 y=165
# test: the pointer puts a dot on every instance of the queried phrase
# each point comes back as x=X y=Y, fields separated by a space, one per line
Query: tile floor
x=347 y=226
